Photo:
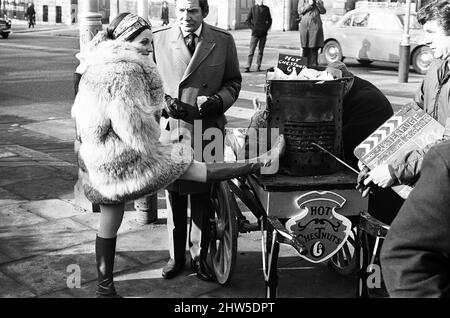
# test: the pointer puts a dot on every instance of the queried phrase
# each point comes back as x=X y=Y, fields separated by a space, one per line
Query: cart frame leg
x=271 y=249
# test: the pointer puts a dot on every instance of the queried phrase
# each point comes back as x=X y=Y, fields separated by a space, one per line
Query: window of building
x=58 y=18
x=45 y=13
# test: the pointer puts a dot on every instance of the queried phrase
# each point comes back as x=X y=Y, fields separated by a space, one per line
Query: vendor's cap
x=339 y=66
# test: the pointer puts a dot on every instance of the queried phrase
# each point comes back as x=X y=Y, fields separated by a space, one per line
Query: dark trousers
x=312 y=55
x=199 y=234
x=253 y=43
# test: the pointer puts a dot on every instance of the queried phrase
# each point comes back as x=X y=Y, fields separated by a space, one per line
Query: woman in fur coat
x=117 y=111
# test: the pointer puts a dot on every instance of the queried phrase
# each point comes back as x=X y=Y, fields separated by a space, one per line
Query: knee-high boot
x=105 y=250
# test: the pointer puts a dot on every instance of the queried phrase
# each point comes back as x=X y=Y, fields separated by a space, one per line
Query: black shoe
x=258 y=69
x=247 y=70
x=201 y=268
x=106 y=291
x=245 y=226
x=172 y=269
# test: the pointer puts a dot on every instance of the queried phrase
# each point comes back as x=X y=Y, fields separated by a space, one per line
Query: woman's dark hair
x=438 y=10
x=113 y=25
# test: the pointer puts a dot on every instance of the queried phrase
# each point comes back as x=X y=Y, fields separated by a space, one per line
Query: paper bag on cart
x=408 y=129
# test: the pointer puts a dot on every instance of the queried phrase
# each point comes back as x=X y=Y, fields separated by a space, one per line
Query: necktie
x=191 y=43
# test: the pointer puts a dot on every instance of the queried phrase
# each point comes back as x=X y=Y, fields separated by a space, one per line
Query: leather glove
x=174 y=108
x=364 y=189
x=212 y=106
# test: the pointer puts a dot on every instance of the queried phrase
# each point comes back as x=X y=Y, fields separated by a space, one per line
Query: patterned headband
x=130 y=25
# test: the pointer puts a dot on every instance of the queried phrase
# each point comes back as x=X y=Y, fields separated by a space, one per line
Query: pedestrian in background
x=165 y=13
x=259 y=20
x=311 y=31
x=31 y=15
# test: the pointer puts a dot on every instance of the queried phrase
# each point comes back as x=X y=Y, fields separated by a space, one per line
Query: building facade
x=226 y=14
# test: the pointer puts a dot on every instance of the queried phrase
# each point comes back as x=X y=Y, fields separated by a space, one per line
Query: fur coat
x=117 y=111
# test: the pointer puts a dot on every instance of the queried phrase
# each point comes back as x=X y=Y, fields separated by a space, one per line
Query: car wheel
x=421 y=59
x=5 y=35
x=365 y=62
x=332 y=52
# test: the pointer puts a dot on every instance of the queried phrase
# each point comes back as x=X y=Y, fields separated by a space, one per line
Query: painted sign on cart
x=408 y=129
x=288 y=63
x=319 y=227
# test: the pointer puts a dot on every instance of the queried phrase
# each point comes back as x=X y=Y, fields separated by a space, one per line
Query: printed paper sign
x=408 y=129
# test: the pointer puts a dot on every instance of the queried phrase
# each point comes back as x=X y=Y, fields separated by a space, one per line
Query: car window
x=384 y=22
x=360 y=19
x=348 y=21
x=413 y=23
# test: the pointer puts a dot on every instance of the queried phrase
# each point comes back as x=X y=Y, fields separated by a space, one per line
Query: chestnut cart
x=311 y=204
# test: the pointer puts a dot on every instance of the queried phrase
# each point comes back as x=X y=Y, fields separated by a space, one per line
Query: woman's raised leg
x=267 y=163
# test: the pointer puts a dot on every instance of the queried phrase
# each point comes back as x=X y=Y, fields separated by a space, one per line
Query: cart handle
x=287 y=238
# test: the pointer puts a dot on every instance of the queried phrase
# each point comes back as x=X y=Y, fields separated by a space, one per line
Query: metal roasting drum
x=307 y=111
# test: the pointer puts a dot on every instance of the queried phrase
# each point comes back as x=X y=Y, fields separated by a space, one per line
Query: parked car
x=5 y=27
x=374 y=34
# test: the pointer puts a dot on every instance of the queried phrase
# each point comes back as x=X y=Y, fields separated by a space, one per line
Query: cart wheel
x=344 y=262
x=223 y=245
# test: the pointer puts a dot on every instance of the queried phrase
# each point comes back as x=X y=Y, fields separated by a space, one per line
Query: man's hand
x=212 y=106
x=174 y=108
x=381 y=176
x=360 y=186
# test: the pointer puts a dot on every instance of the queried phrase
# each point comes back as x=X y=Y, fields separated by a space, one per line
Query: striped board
x=408 y=129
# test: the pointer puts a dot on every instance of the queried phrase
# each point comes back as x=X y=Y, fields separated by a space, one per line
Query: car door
x=355 y=35
x=384 y=36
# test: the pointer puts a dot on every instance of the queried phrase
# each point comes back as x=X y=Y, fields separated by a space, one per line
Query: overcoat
x=310 y=26
x=117 y=111
x=213 y=69
x=415 y=257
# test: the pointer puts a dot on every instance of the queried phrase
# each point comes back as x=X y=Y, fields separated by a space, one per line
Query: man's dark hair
x=438 y=10
x=204 y=6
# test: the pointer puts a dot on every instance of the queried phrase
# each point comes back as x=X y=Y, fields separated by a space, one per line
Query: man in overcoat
x=311 y=30
x=195 y=59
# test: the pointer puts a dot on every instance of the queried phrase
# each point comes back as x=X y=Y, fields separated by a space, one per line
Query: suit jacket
x=415 y=257
x=213 y=69
x=259 y=20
